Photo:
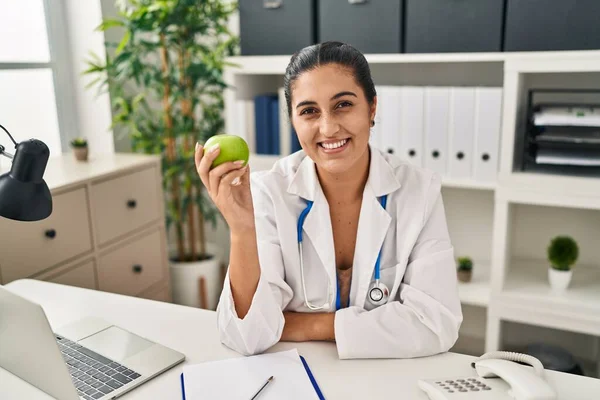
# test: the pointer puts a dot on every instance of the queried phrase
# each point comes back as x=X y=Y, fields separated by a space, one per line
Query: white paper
x=240 y=378
x=576 y=116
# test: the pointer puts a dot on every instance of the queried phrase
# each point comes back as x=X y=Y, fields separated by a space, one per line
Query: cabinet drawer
x=27 y=248
x=80 y=276
x=134 y=267
x=125 y=203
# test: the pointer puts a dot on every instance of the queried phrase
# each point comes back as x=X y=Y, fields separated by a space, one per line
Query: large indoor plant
x=562 y=251
x=165 y=79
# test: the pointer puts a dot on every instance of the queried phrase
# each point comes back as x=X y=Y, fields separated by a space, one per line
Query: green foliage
x=79 y=142
x=562 y=252
x=170 y=60
x=465 y=264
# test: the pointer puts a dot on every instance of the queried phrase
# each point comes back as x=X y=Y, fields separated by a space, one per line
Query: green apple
x=232 y=148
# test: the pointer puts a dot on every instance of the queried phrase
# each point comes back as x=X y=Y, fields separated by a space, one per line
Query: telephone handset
x=498 y=377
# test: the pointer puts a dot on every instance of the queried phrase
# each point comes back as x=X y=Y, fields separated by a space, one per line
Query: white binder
x=285 y=127
x=412 y=113
x=245 y=122
x=461 y=132
x=488 y=121
x=389 y=123
x=437 y=111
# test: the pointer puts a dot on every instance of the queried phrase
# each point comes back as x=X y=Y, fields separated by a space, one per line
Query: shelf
x=554 y=194
x=552 y=183
x=527 y=297
x=467 y=184
x=276 y=65
x=477 y=292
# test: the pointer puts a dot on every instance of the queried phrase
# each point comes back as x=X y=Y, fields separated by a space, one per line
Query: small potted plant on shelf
x=80 y=149
x=562 y=254
x=465 y=269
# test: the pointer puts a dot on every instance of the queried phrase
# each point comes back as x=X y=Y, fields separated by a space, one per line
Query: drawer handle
x=50 y=233
x=131 y=203
x=357 y=1
x=137 y=268
x=485 y=157
x=435 y=154
x=272 y=4
x=460 y=155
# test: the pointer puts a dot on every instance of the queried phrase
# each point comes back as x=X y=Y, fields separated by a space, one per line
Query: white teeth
x=334 y=145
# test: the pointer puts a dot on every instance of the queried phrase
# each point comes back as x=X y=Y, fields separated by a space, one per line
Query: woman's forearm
x=301 y=327
x=244 y=270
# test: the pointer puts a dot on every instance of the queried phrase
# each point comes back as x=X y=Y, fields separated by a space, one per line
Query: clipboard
x=306 y=367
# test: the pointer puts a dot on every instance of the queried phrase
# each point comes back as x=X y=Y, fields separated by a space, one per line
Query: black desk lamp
x=24 y=196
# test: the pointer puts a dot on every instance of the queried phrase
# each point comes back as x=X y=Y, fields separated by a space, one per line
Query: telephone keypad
x=462 y=385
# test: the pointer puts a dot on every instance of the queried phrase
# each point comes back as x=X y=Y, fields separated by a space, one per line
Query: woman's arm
x=426 y=317
x=244 y=269
x=302 y=327
x=249 y=314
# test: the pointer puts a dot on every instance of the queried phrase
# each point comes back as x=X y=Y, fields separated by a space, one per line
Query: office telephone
x=498 y=377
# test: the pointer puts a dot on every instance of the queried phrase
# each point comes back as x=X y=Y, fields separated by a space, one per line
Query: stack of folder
x=265 y=123
x=563 y=138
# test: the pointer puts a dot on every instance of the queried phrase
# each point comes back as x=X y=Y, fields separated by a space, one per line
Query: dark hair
x=311 y=57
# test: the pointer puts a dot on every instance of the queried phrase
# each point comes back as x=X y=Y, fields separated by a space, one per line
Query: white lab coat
x=423 y=314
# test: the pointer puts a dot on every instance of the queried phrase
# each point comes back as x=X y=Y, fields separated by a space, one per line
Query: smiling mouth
x=334 y=145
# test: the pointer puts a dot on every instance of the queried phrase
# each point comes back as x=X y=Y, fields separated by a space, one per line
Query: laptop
x=88 y=359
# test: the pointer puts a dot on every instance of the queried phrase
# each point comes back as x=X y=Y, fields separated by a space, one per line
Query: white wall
x=93 y=113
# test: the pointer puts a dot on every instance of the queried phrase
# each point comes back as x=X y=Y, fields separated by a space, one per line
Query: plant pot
x=559 y=280
x=81 y=153
x=197 y=283
x=464 y=275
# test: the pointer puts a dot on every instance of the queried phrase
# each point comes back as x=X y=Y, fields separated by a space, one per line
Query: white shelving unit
x=505 y=225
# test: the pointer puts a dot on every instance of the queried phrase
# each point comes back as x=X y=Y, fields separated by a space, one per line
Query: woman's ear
x=373 y=111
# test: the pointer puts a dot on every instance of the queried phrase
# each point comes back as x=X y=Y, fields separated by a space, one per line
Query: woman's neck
x=346 y=187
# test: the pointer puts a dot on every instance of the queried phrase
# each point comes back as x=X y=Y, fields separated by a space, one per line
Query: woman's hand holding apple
x=222 y=166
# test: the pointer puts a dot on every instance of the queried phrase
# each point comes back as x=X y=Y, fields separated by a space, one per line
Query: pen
x=261 y=389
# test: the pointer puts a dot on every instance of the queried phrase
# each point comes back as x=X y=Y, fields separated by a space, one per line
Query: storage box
x=552 y=25
x=441 y=26
x=370 y=26
x=276 y=27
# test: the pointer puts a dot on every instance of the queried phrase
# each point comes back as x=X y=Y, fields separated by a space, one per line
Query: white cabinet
x=106 y=231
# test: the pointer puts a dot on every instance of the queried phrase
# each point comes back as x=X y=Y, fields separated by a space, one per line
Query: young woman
x=338 y=241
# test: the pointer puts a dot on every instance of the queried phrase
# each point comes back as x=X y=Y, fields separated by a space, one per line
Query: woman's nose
x=328 y=126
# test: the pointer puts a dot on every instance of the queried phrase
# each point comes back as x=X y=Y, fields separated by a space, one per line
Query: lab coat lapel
x=317 y=225
x=373 y=225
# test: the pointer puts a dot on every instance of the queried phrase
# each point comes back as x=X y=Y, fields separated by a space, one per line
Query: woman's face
x=332 y=117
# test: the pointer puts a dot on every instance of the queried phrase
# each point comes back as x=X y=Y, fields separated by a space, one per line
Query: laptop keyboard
x=93 y=375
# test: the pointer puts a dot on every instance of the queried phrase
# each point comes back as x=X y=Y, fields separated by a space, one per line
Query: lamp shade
x=24 y=196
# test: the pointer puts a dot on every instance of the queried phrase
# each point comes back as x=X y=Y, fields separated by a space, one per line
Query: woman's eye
x=308 y=111
x=344 y=104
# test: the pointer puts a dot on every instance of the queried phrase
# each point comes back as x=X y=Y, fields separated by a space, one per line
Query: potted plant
x=80 y=149
x=465 y=269
x=165 y=81
x=562 y=254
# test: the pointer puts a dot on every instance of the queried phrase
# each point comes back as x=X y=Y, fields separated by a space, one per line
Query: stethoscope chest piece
x=378 y=293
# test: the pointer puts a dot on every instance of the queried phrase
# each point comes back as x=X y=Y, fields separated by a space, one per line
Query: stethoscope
x=378 y=291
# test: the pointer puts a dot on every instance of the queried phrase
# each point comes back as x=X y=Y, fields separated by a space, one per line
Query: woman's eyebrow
x=336 y=96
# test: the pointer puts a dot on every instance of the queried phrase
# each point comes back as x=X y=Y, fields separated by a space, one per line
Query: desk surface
x=193 y=332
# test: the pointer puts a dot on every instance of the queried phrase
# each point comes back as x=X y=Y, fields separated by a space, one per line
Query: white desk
x=193 y=332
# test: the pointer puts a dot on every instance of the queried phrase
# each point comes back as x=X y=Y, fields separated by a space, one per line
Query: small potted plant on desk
x=465 y=269
x=80 y=149
x=562 y=254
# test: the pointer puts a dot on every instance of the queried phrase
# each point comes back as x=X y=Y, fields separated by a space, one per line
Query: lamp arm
x=5 y=153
